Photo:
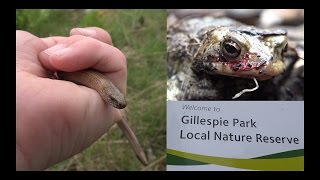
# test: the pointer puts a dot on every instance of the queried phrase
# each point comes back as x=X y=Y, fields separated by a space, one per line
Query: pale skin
x=57 y=119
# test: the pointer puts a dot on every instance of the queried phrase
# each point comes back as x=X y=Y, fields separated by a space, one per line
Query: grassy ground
x=141 y=35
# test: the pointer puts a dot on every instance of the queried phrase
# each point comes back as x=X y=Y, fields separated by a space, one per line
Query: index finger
x=92 y=32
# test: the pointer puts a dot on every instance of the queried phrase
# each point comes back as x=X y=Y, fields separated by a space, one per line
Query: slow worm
x=110 y=95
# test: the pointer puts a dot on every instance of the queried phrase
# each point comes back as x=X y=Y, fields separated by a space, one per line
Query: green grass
x=141 y=35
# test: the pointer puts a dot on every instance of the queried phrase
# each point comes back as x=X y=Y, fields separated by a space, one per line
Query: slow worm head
x=112 y=96
x=97 y=81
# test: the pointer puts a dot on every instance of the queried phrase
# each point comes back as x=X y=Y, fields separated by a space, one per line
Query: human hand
x=56 y=119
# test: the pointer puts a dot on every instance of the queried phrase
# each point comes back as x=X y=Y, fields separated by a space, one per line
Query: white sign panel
x=235 y=135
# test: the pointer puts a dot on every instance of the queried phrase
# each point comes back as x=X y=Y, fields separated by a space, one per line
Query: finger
x=93 y=32
x=28 y=46
x=79 y=52
x=53 y=40
x=28 y=42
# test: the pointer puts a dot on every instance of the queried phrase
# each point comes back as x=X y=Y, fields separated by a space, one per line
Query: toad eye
x=230 y=49
x=285 y=49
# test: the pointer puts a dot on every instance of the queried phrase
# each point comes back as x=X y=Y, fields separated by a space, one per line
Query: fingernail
x=58 y=50
x=87 y=32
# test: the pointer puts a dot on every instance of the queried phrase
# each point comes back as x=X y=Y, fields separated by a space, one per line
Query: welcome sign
x=235 y=135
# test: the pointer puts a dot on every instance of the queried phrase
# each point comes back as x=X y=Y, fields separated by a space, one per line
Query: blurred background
x=290 y=19
x=259 y=17
x=141 y=36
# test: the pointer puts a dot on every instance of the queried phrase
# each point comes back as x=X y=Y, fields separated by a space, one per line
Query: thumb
x=62 y=55
x=80 y=52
